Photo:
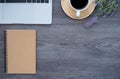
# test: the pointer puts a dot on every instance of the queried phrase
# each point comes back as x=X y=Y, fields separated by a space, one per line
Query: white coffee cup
x=78 y=11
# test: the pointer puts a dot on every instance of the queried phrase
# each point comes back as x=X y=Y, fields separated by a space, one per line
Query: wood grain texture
x=68 y=50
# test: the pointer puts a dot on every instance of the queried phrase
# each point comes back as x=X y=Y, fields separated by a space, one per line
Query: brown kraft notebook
x=20 y=51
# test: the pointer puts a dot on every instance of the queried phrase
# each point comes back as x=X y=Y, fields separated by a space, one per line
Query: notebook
x=20 y=51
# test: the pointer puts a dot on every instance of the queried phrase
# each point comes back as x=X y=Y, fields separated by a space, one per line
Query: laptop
x=25 y=11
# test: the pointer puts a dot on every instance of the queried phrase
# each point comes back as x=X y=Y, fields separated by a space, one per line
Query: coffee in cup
x=79 y=5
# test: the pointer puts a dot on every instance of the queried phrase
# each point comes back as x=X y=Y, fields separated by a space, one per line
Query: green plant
x=103 y=8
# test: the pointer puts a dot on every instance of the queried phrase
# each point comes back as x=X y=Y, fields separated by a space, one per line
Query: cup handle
x=77 y=13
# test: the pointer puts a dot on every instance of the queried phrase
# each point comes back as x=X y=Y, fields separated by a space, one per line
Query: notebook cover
x=21 y=51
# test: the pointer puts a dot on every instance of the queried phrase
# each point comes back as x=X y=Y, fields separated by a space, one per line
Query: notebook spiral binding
x=6 y=51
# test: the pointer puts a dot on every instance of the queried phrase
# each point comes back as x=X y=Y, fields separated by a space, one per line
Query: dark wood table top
x=68 y=50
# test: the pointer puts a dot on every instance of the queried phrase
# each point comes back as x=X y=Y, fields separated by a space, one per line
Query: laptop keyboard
x=24 y=1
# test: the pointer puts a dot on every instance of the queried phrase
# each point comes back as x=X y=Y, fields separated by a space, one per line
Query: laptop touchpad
x=18 y=13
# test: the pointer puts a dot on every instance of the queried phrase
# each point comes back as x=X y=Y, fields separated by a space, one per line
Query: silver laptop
x=25 y=11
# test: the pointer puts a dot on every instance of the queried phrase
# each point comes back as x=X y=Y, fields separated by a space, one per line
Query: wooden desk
x=67 y=50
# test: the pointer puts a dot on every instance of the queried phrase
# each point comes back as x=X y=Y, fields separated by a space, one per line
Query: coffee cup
x=79 y=5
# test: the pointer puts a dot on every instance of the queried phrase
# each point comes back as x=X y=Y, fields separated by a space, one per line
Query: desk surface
x=67 y=50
